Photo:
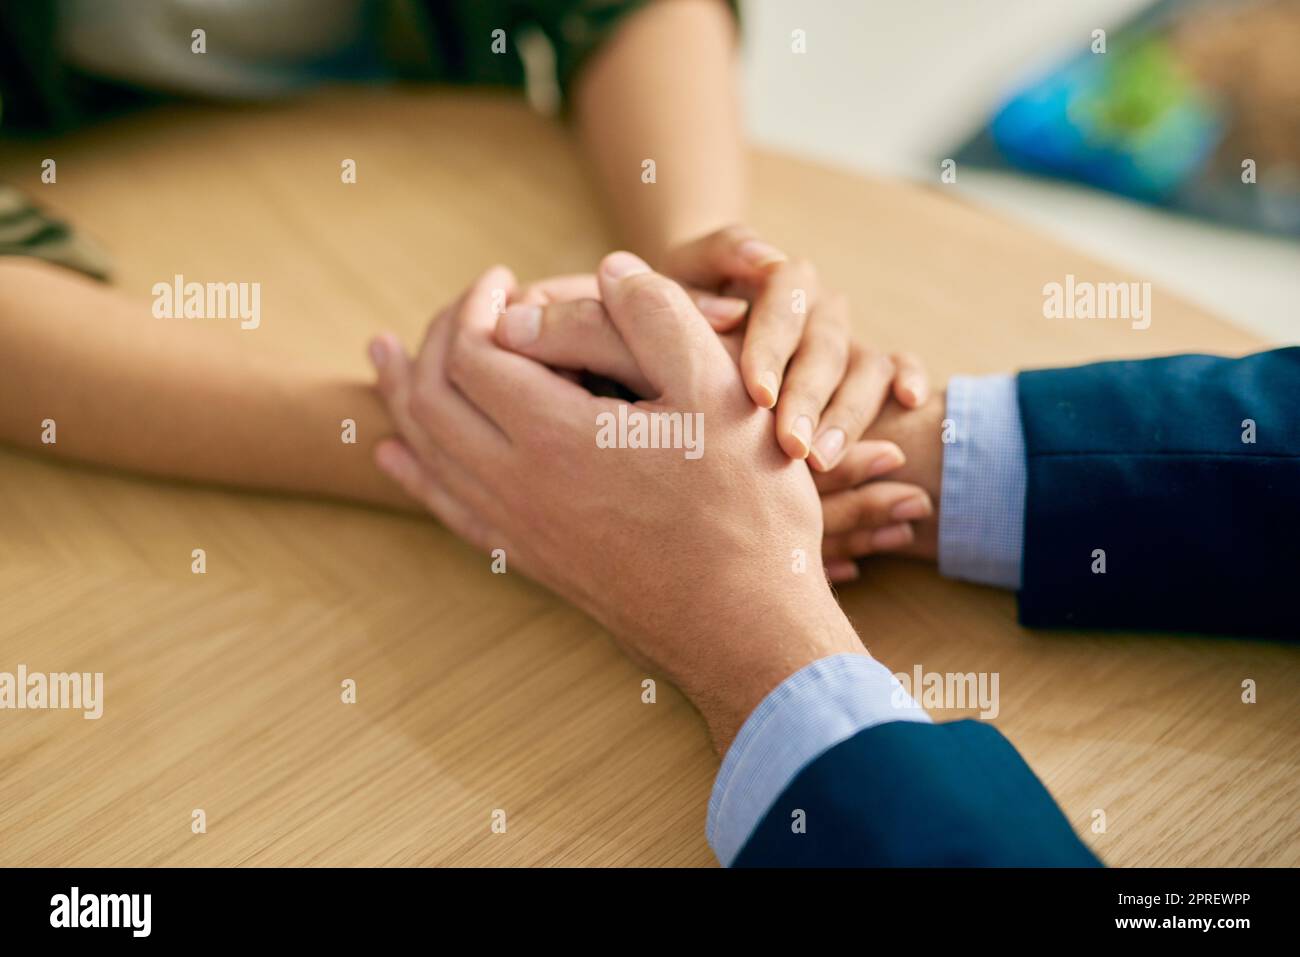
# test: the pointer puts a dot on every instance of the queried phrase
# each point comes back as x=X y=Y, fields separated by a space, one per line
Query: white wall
x=888 y=87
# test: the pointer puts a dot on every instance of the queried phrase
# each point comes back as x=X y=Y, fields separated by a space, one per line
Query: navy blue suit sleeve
x=906 y=794
x=1146 y=465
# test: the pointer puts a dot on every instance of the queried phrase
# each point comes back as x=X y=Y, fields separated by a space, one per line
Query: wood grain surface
x=479 y=692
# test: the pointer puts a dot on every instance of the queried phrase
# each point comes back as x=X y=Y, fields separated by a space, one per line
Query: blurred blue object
x=1128 y=121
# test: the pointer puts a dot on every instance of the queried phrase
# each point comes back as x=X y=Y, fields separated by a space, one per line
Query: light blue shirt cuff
x=982 y=499
x=813 y=710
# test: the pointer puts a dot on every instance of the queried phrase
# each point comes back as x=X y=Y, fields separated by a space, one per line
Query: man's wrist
x=761 y=651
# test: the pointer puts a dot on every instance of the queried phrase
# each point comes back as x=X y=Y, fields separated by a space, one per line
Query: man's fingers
x=911 y=381
x=571 y=335
x=673 y=345
x=867 y=459
x=776 y=325
x=874 y=505
x=815 y=371
x=855 y=405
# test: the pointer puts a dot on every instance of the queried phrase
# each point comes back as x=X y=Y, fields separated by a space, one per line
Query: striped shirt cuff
x=813 y=710
x=982 y=499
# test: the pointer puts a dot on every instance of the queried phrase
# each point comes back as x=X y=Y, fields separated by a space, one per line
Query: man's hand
x=562 y=323
x=703 y=567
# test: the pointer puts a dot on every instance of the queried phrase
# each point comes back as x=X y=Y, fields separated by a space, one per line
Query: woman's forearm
x=171 y=397
x=664 y=89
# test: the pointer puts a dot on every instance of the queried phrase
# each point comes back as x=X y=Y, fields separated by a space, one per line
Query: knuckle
x=802 y=395
x=459 y=365
x=871 y=513
x=422 y=404
x=852 y=418
x=760 y=357
x=650 y=293
x=734 y=235
x=828 y=342
x=802 y=268
x=589 y=315
x=861 y=507
x=876 y=363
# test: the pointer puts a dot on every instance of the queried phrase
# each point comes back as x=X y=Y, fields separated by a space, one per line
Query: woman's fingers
x=874 y=505
x=839 y=570
x=864 y=460
x=396 y=460
x=776 y=326
x=396 y=386
x=855 y=405
x=394 y=382
x=862 y=542
x=815 y=371
x=911 y=381
x=572 y=335
x=723 y=312
x=726 y=255
x=559 y=289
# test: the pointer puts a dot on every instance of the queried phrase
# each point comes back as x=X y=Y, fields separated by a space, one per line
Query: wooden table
x=479 y=692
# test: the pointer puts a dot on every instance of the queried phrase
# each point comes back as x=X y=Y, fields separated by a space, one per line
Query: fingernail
x=758 y=253
x=802 y=431
x=886 y=462
x=910 y=509
x=721 y=307
x=768 y=386
x=521 y=325
x=914 y=389
x=828 y=447
x=378 y=353
x=891 y=536
x=620 y=265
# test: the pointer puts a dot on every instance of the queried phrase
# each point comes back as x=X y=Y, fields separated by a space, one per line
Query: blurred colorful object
x=1171 y=113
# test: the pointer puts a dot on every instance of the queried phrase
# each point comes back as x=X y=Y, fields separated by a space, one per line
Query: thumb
x=673 y=344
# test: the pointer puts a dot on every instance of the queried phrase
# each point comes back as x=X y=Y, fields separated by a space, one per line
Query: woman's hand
x=855 y=501
x=797 y=355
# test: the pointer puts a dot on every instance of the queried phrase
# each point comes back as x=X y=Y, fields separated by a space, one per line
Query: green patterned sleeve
x=26 y=230
x=577 y=28
x=461 y=36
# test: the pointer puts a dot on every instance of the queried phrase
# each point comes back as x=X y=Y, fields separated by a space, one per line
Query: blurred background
x=895 y=88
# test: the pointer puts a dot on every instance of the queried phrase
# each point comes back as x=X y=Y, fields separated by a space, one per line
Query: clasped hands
x=693 y=565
